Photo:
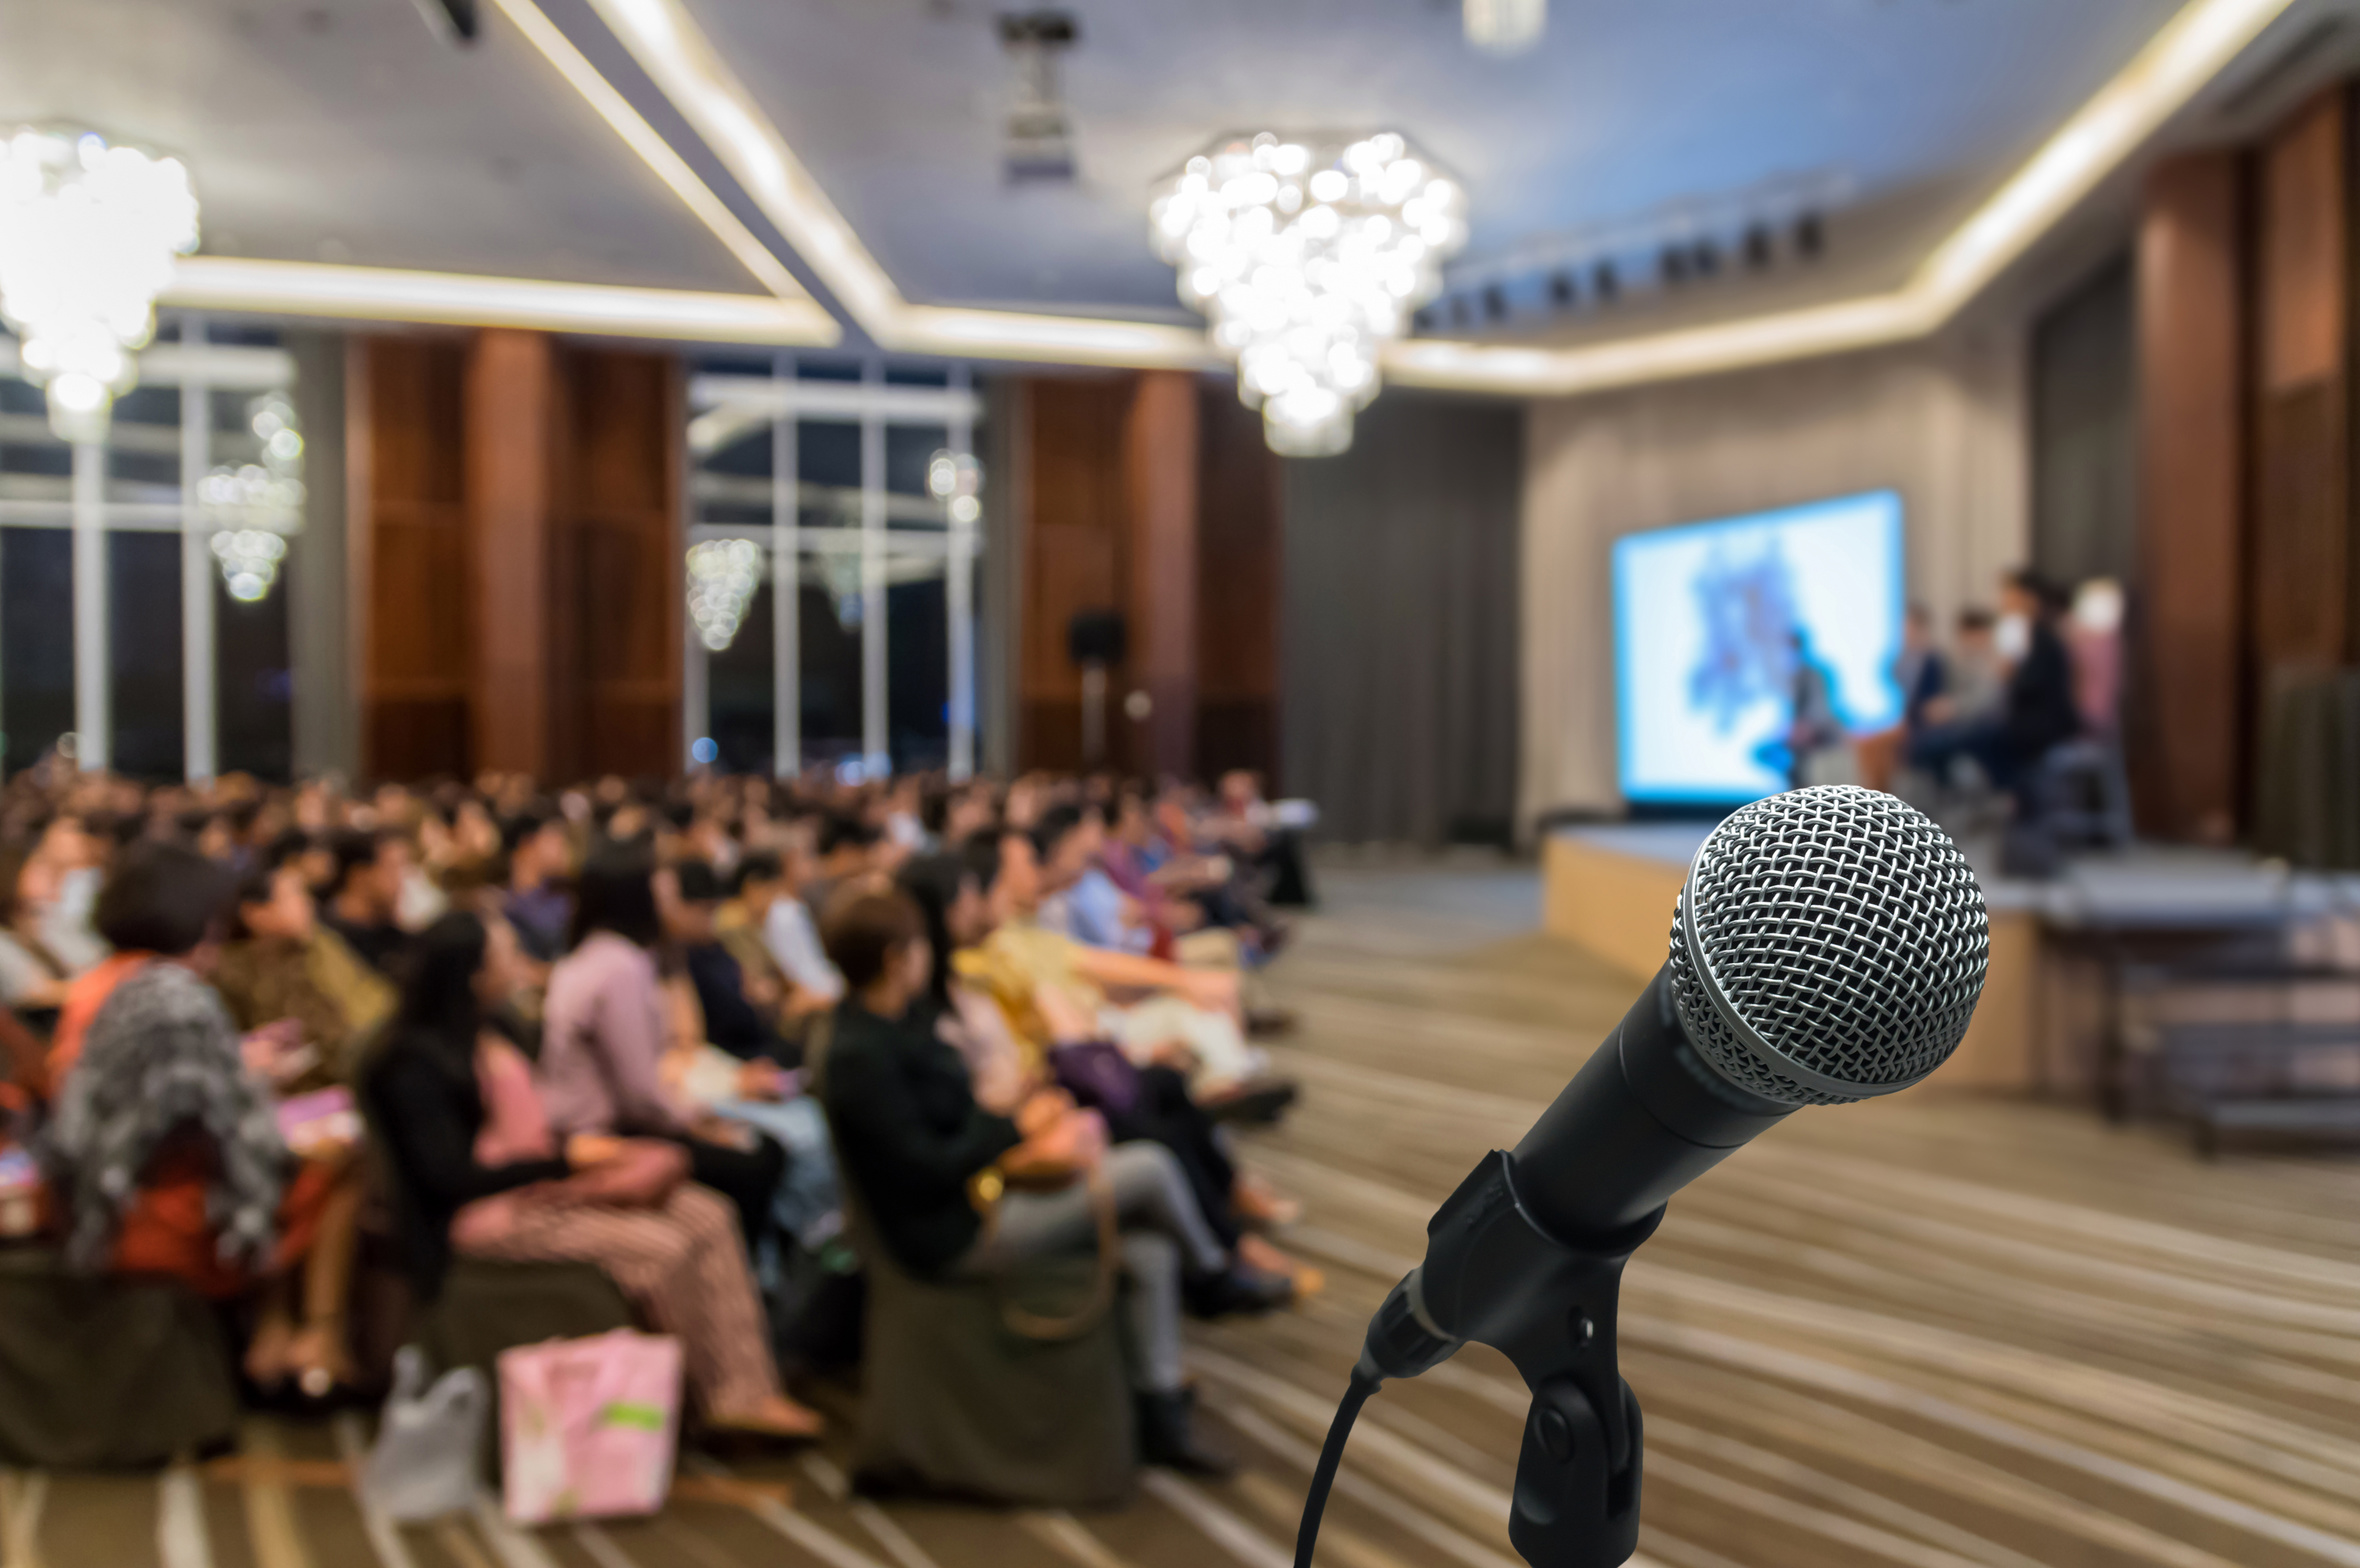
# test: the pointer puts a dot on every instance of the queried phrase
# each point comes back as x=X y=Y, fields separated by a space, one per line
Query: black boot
x=1242 y=1290
x=1167 y=1437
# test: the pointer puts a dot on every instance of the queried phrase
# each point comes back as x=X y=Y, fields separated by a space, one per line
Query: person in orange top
x=164 y=1148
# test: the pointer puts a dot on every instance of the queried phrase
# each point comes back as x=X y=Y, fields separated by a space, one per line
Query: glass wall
x=834 y=532
x=143 y=618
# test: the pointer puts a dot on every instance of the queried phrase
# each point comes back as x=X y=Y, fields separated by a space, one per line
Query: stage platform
x=1611 y=889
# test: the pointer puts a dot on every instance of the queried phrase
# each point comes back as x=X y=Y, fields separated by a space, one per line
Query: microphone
x=1828 y=947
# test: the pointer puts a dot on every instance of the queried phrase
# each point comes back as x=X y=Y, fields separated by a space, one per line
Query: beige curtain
x=1943 y=423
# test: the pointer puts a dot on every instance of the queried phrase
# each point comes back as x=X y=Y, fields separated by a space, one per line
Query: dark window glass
x=908 y=448
x=827 y=454
x=36 y=640
x=917 y=376
x=829 y=608
x=827 y=370
x=254 y=686
x=143 y=642
x=917 y=658
x=741 y=691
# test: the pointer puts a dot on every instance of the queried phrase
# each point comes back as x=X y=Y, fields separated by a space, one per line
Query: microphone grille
x=1829 y=946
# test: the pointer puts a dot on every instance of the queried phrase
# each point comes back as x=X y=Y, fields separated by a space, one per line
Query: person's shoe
x=1168 y=1437
x=1265 y=1023
x=1244 y=1290
x=1256 y=1102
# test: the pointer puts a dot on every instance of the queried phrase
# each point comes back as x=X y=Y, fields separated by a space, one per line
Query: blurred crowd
x=704 y=1035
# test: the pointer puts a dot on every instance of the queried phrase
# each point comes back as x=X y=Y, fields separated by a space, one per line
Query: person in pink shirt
x=603 y=1039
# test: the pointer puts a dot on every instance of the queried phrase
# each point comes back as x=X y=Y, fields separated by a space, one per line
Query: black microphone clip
x=1549 y=1306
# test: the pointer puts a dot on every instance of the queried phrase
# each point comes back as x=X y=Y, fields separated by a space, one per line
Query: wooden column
x=2302 y=557
x=510 y=408
x=616 y=562
x=409 y=578
x=1239 y=565
x=1070 y=533
x=1159 y=456
x=2187 y=729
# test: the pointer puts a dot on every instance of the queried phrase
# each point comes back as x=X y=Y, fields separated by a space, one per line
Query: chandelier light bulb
x=88 y=233
x=253 y=507
x=1307 y=256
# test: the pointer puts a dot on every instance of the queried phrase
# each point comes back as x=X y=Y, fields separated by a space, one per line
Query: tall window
x=143 y=609
x=834 y=533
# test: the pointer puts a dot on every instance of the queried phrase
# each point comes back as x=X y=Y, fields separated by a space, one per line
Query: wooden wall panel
x=1073 y=559
x=2301 y=556
x=616 y=564
x=518 y=555
x=511 y=379
x=412 y=572
x=1160 y=453
x=2186 y=730
x=1238 y=565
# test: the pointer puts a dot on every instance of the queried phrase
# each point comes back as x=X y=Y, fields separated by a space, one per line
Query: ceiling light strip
x=295 y=288
x=2194 y=47
x=2190 y=51
x=652 y=149
x=673 y=51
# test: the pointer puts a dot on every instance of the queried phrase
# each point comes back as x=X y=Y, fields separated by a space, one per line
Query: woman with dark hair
x=603 y=1038
x=165 y=1146
x=481 y=1173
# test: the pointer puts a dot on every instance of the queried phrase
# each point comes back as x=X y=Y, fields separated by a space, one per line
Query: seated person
x=283 y=968
x=757 y=888
x=1005 y=1069
x=2035 y=709
x=1082 y=901
x=533 y=898
x=482 y=1175
x=604 y=1034
x=791 y=931
x=848 y=847
x=726 y=1059
x=364 y=895
x=33 y=978
x=1181 y=1016
x=164 y=1145
x=733 y=1020
x=934 y=1168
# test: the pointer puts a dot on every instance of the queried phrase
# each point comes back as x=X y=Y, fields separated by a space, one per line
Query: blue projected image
x=1716 y=625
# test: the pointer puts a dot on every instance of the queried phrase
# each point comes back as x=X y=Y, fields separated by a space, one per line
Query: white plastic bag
x=424 y=1463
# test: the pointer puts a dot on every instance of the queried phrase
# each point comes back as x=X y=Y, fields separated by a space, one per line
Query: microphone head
x=1829 y=946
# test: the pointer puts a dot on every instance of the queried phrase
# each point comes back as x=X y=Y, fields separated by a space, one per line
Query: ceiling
x=345 y=132
x=1627 y=107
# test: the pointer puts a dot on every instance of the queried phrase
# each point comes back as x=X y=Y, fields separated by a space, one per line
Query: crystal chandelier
x=252 y=506
x=956 y=480
x=1504 y=26
x=722 y=577
x=1308 y=256
x=87 y=237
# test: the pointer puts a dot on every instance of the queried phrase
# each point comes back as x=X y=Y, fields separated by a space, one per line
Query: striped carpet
x=1935 y=1332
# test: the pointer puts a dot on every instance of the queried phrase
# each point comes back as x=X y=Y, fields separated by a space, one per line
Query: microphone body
x=1829 y=946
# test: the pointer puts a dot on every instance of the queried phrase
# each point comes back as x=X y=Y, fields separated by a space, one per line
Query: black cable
x=1331 y=1454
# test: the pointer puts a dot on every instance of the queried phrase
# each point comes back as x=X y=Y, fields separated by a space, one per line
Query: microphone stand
x=1549 y=1307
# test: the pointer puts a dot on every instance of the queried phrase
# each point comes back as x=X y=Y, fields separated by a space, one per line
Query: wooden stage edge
x=1618 y=906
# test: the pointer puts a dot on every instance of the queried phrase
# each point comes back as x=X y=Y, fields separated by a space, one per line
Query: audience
x=482 y=1173
x=577 y=1027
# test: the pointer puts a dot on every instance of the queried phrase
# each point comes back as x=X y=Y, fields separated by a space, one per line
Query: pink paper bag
x=589 y=1427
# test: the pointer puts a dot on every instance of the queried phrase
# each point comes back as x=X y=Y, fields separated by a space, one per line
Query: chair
x=955 y=1402
x=98 y=1372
